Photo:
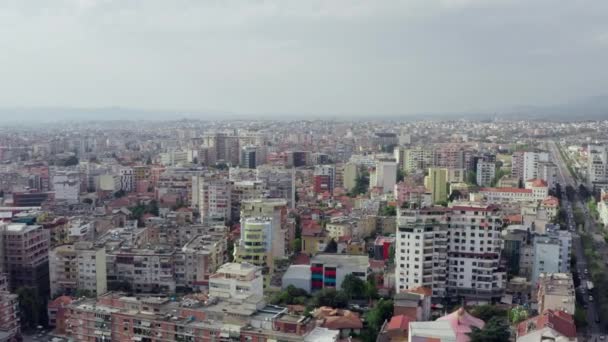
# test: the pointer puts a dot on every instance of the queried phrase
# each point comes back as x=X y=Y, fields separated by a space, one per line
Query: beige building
x=237 y=280
x=437 y=183
x=349 y=178
x=77 y=267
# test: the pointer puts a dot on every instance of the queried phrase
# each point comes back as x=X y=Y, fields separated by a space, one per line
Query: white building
x=77 y=267
x=486 y=171
x=172 y=158
x=547 y=171
x=597 y=161
x=66 y=185
x=468 y=265
x=278 y=183
x=536 y=190
x=215 y=199
x=238 y=281
x=384 y=176
x=127 y=180
x=530 y=163
x=551 y=253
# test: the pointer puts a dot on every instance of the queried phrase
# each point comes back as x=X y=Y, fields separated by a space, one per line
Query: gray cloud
x=293 y=56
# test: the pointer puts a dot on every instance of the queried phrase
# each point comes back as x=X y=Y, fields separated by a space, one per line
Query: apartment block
x=26 y=256
x=486 y=171
x=454 y=251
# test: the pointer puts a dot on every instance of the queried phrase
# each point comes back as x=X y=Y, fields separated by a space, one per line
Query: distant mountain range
x=591 y=108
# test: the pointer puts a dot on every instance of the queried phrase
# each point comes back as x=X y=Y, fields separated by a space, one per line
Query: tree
x=289 y=296
x=388 y=210
x=31 y=307
x=149 y=161
x=332 y=247
x=456 y=194
x=120 y=193
x=361 y=183
x=353 y=286
x=580 y=317
x=371 y=291
x=87 y=201
x=296 y=245
x=495 y=330
x=487 y=311
x=329 y=297
x=518 y=314
x=400 y=175
x=378 y=315
x=472 y=178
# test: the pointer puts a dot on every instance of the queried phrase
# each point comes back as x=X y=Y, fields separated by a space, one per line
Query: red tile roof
x=513 y=190
x=560 y=321
x=537 y=182
x=400 y=322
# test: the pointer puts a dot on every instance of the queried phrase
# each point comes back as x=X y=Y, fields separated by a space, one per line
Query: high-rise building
x=551 y=253
x=349 y=176
x=384 y=176
x=77 y=267
x=324 y=178
x=597 y=164
x=486 y=171
x=276 y=210
x=66 y=185
x=278 y=183
x=455 y=251
x=215 y=200
x=437 y=183
x=250 y=157
x=418 y=159
x=26 y=256
x=255 y=245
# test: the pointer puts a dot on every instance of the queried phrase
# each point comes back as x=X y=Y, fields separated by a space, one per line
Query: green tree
x=388 y=210
x=353 y=286
x=518 y=314
x=329 y=297
x=472 y=178
x=31 y=307
x=375 y=317
x=296 y=245
x=332 y=247
x=580 y=317
x=495 y=330
x=487 y=311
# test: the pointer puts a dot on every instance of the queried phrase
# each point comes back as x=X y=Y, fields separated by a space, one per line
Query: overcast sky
x=302 y=56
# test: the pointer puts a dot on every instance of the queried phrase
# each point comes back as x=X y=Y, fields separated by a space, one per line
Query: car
x=586 y=271
x=602 y=337
x=591 y=298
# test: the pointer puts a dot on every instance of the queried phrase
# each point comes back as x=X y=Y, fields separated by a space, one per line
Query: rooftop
x=340 y=260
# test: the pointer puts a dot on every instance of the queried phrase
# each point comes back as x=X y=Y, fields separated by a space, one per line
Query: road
x=595 y=329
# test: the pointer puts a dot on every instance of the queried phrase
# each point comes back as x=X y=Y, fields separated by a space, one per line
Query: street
x=594 y=321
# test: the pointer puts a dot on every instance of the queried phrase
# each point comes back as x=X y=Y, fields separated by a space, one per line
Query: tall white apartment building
x=455 y=251
x=486 y=171
x=77 y=267
x=474 y=249
x=127 y=179
x=421 y=250
x=215 y=200
x=530 y=164
x=418 y=159
x=385 y=175
x=597 y=160
x=547 y=171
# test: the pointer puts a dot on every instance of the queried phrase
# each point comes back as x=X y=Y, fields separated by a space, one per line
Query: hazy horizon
x=270 y=58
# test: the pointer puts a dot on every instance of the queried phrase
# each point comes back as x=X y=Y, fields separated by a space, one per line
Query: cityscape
x=303 y=171
x=304 y=230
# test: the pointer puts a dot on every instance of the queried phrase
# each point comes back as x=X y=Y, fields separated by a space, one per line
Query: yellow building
x=255 y=244
x=351 y=171
x=437 y=183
